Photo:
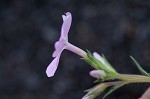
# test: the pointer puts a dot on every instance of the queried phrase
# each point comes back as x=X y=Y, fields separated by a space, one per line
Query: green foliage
x=98 y=80
x=96 y=90
x=115 y=87
x=99 y=65
x=112 y=76
x=95 y=62
x=108 y=64
x=139 y=67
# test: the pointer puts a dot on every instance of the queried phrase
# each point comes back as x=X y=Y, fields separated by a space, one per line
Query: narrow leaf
x=115 y=87
x=96 y=90
x=139 y=67
x=92 y=61
x=108 y=64
x=98 y=80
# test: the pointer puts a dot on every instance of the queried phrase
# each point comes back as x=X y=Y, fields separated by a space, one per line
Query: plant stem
x=130 y=78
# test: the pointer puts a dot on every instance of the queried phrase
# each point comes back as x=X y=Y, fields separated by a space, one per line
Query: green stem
x=129 y=78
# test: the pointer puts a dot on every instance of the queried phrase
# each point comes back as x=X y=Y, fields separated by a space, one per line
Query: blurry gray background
x=29 y=29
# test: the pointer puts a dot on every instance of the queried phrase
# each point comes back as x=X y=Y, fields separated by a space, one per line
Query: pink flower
x=63 y=44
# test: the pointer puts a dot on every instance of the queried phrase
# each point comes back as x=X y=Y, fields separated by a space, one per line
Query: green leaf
x=94 y=62
x=99 y=65
x=98 y=80
x=108 y=64
x=96 y=90
x=139 y=67
x=91 y=63
x=115 y=87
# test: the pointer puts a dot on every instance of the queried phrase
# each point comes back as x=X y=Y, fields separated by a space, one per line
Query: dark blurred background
x=29 y=29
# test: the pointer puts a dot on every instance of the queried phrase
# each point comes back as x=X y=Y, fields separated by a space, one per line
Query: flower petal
x=59 y=46
x=51 y=69
x=146 y=95
x=66 y=25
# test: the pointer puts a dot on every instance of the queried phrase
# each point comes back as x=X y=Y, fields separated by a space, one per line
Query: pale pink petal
x=97 y=74
x=146 y=95
x=59 y=46
x=66 y=25
x=98 y=57
x=51 y=69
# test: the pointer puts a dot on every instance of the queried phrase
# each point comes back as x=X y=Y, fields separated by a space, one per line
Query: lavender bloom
x=97 y=74
x=63 y=44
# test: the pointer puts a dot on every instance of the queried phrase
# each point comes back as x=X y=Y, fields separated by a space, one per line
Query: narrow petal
x=51 y=69
x=98 y=57
x=59 y=46
x=66 y=25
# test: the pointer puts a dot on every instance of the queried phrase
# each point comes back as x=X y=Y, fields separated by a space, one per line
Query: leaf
x=108 y=64
x=98 y=80
x=93 y=62
x=99 y=65
x=96 y=90
x=115 y=87
x=139 y=67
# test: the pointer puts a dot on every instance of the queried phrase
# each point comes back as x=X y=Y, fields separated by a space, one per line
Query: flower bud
x=97 y=74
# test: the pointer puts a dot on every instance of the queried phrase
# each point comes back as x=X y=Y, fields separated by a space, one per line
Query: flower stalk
x=129 y=78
